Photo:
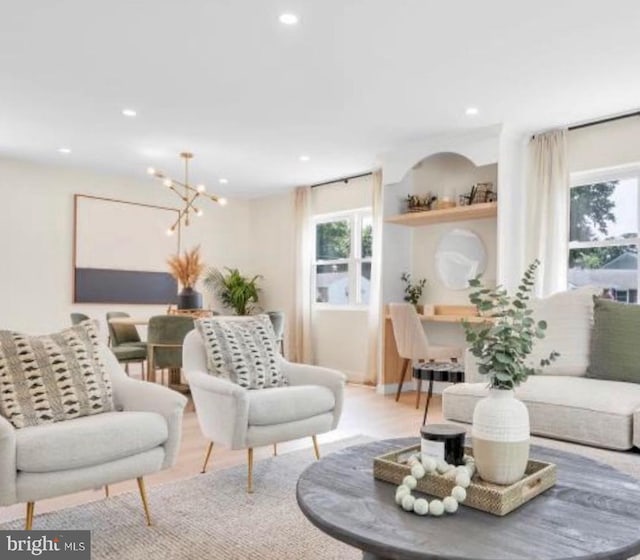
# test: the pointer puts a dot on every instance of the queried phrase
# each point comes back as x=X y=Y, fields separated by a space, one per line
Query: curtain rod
x=605 y=120
x=342 y=180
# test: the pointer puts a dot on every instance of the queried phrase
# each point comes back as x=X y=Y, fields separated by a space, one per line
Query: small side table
x=450 y=372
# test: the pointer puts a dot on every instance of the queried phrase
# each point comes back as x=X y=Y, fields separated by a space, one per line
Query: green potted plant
x=234 y=290
x=502 y=347
x=412 y=290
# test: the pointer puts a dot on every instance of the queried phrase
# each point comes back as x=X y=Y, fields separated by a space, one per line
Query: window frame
x=355 y=218
x=583 y=178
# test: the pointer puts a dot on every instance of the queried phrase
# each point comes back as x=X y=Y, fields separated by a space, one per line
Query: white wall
x=36 y=239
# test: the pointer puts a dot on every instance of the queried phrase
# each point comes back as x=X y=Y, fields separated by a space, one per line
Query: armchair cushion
x=242 y=350
x=288 y=404
x=88 y=441
x=45 y=379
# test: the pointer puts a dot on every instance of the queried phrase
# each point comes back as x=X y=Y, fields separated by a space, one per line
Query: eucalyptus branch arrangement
x=412 y=291
x=502 y=348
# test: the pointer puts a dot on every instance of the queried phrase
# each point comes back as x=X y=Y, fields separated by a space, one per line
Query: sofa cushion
x=88 y=441
x=591 y=411
x=569 y=317
x=45 y=379
x=288 y=404
x=242 y=351
x=613 y=352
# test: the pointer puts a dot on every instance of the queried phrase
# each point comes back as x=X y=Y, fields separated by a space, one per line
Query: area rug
x=209 y=517
x=212 y=517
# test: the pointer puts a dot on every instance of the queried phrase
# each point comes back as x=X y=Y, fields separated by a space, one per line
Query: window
x=603 y=233
x=342 y=264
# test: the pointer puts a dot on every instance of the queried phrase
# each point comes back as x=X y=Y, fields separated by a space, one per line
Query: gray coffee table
x=593 y=512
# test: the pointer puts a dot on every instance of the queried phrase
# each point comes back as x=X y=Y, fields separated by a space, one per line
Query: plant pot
x=501 y=437
x=188 y=298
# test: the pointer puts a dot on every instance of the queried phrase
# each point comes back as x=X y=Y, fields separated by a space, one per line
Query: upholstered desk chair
x=140 y=438
x=165 y=336
x=412 y=343
x=125 y=341
x=243 y=419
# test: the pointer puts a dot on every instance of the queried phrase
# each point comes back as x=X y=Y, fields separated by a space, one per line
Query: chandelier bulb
x=222 y=201
x=201 y=188
x=199 y=212
x=151 y=171
x=170 y=232
x=167 y=182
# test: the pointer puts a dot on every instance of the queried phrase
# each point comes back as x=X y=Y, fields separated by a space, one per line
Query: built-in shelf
x=457 y=214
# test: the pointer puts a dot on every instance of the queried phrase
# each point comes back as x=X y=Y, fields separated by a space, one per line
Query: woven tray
x=492 y=498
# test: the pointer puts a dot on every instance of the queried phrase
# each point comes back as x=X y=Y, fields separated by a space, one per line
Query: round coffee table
x=593 y=512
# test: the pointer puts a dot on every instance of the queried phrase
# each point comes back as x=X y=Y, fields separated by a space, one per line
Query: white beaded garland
x=436 y=507
x=407 y=502
x=410 y=481
x=450 y=504
x=421 y=506
x=420 y=466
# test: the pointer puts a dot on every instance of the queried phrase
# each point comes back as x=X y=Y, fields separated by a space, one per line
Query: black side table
x=450 y=372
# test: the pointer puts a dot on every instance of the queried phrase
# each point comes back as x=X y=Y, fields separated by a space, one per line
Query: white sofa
x=563 y=403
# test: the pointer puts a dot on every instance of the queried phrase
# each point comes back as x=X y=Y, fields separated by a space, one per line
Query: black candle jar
x=443 y=441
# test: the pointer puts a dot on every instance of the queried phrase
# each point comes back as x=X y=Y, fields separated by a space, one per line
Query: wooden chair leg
x=316 y=449
x=405 y=366
x=143 y=497
x=418 y=393
x=206 y=457
x=28 y=523
x=106 y=490
x=250 y=470
x=275 y=449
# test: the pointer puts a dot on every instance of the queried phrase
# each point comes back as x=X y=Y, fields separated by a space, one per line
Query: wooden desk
x=444 y=314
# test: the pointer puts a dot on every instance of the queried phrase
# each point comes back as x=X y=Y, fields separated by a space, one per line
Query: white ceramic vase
x=501 y=437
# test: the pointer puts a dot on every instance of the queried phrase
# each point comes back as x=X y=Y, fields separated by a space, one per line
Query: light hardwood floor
x=364 y=413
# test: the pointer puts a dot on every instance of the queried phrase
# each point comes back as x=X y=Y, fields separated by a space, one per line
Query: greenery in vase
x=412 y=291
x=234 y=290
x=502 y=347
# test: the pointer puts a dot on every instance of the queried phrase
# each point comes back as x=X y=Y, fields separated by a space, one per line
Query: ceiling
x=226 y=80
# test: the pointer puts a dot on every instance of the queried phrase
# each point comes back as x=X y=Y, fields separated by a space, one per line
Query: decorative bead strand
x=428 y=465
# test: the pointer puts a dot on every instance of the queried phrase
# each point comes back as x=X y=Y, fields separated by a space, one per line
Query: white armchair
x=140 y=437
x=243 y=419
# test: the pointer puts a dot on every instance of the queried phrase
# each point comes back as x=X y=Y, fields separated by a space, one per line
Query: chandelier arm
x=182 y=197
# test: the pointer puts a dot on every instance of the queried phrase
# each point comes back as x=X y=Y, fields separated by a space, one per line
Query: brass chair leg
x=206 y=457
x=106 y=490
x=405 y=365
x=28 y=524
x=418 y=393
x=275 y=449
x=316 y=449
x=143 y=497
x=250 y=470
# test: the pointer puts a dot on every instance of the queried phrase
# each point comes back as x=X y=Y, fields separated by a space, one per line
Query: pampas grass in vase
x=187 y=270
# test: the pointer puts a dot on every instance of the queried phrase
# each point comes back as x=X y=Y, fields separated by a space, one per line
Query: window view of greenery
x=603 y=235
x=339 y=271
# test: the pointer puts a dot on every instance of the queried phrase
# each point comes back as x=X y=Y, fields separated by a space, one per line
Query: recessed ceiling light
x=64 y=150
x=304 y=158
x=129 y=112
x=223 y=181
x=471 y=111
x=222 y=201
x=289 y=19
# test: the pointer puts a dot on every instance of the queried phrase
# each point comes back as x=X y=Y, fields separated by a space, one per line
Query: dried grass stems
x=188 y=268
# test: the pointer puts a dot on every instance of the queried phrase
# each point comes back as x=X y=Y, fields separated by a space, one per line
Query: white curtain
x=301 y=332
x=375 y=291
x=547 y=202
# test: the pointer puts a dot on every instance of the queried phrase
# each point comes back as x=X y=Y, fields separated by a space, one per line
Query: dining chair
x=77 y=318
x=278 y=321
x=413 y=344
x=165 y=336
x=125 y=342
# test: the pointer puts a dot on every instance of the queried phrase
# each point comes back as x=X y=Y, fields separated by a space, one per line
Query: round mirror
x=460 y=256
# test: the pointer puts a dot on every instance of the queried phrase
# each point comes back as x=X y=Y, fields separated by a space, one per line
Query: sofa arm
x=222 y=408
x=303 y=374
x=8 y=473
x=130 y=394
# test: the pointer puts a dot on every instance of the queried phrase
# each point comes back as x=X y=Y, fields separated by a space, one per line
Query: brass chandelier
x=189 y=194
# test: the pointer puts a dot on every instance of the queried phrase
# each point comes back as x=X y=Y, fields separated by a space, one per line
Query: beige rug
x=212 y=517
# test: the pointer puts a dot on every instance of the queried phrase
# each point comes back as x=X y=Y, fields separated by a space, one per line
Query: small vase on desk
x=501 y=437
x=188 y=298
